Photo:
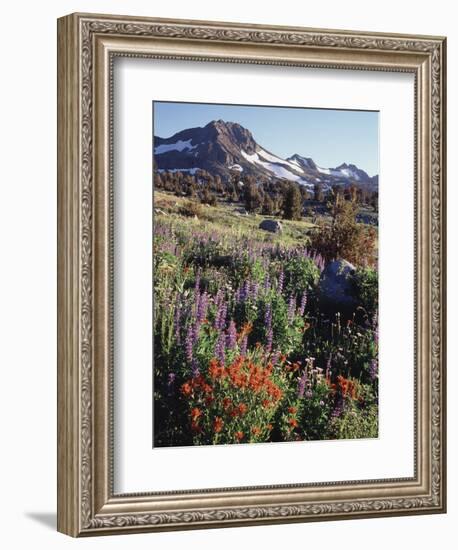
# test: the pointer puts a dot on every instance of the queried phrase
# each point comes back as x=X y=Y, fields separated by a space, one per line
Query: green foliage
x=292 y=203
x=191 y=209
x=344 y=238
x=301 y=275
x=251 y=196
x=315 y=413
x=318 y=194
x=355 y=423
x=207 y=197
x=366 y=283
x=268 y=205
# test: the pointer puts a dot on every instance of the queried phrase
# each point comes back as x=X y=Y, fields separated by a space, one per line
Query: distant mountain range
x=222 y=148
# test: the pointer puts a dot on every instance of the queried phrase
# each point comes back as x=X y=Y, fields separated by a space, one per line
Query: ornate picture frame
x=87 y=46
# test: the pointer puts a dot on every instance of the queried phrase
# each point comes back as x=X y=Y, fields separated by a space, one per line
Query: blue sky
x=329 y=136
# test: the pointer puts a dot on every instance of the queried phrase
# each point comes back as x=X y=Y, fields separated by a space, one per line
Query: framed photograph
x=251 y=290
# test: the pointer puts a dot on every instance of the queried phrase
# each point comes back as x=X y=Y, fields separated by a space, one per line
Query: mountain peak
x=220 y=147
x=303 y=162
x=231 y=135
x=223 y=124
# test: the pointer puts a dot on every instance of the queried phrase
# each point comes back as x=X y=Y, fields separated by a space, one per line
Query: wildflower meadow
x=246 y=349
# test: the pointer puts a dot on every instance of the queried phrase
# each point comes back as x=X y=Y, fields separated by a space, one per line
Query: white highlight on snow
x=273 y=158
x=324 y=170
x=191 y=171
x=180 y=145
x=303 y=162
x=236 y=167
x=349 y=173
x=340 y=173
x=274 y=166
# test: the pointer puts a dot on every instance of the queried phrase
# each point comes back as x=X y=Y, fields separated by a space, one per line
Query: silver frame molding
x=87 y=45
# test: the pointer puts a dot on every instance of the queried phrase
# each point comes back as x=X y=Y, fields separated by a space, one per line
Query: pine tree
x=268 y=205
x=251 y=196
x=292 y=204
x=318 y=194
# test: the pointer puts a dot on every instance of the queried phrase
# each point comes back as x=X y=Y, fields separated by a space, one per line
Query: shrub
x=301 y=275
x=191 y=209
x=344 y=238
x=315 y=411
x=355 y=423
x=207 y=197
x=366 y=283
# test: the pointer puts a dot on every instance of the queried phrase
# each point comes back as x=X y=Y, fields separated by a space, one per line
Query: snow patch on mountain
x=278 y=169
x=191 y=171
x=328 y=171
x=277 y=160
x=349 y=173
x=180 y=146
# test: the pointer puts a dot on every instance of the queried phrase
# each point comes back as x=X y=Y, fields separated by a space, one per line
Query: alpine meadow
x=265 y=268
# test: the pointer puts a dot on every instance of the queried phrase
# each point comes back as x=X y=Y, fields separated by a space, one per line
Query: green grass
x=224 y=218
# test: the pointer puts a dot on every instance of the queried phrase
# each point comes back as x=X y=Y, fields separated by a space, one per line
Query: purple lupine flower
x=375 y=327
x=319 y=261
x=338 y=407
x=281 y=280
x=269 y=331
x=303 y=304
x=302 y=384
x=254 y=290
x=243 y=345
x=220 y=318
x=267 y=283
x=237 y=295
x=189 y=343
x=275 y=357
x=291 y=308
x=244 y=293
x=196 y=302
x=201 y=311
x=202 y=308
x=231 y=338
x=219 y=298
x=220 y=348
x=373 y=369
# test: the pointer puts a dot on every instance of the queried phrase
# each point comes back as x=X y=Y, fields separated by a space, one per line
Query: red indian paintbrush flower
x=242 y=409
x=218 y=424
x=186 y=389
x=195 y=414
